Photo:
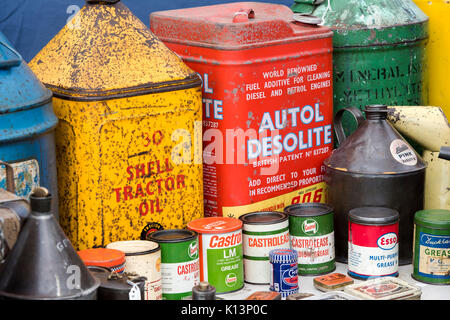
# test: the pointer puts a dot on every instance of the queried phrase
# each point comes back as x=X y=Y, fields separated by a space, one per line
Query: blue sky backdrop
x=30 y=24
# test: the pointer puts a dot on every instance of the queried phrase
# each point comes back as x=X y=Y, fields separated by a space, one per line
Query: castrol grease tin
x=283 y=271
x=267 y=102
x=143 y=257
x=431 y=255
x=220 y=248
x=262 y=232
x=372 y=242
x=312 y=235
x=180 y=266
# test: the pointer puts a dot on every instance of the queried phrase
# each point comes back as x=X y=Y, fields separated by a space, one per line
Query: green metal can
x=311 y=230
x=431 y=248
x=378 y=51
x=180 y=266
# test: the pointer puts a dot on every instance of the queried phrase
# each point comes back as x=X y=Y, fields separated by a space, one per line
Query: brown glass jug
x=374 y=166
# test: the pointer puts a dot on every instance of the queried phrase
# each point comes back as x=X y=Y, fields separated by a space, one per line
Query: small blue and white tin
x=283 y=271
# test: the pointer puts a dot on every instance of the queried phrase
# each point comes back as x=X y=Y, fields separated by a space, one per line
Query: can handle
x=9 y=177
x=6 y=61
x=337 y=121
x=243 y=15
x=444 y=153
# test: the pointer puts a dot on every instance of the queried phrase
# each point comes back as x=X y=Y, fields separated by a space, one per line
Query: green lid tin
x=433 y=218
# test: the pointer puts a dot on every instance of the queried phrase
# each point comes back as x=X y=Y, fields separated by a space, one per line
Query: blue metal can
x=283 y=271
x=27 y=125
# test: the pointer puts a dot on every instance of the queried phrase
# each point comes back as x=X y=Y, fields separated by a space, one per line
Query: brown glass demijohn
x=43 y=265
x=374 y=166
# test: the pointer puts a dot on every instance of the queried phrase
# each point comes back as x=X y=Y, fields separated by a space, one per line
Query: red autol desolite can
x=267 y=102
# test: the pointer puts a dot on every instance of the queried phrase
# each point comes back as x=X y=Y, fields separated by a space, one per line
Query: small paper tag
x=135 y=293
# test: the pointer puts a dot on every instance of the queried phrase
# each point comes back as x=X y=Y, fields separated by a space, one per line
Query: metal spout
x=43 y=265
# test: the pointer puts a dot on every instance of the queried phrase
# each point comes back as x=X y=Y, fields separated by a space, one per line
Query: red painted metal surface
x=267 y=102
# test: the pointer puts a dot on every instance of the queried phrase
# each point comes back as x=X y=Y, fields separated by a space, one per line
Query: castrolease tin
x=180 y=266
x=220 y=248
x=283 y=271
x=373 y=242
x=431 y=255
x=262 y=232
x=311 y=232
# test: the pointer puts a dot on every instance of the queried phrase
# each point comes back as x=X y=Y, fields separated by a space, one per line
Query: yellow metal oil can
x=130 y=118
x=437 y=60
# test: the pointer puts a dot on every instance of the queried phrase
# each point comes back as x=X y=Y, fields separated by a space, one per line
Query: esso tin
x=221 y=254
x=262 y=232
x=267 y=102
x=373 y=242
x=180 y=266
x=283 y=271
x=311 y=230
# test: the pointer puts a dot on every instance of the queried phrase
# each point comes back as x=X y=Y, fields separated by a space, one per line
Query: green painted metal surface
x=379 y=51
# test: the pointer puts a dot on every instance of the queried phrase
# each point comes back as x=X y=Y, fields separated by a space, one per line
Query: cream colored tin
x=143 y=257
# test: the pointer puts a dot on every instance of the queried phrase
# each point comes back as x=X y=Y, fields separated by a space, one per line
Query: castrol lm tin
x=220 y=247
x=373 y=242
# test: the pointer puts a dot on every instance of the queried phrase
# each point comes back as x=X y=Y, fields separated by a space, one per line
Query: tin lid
x=135 y=247
x=106 y=52
x=433 y=218
x=309 y=209
x=384 y=288
x=362 y=23
x=332 y=281
x=263 y=217
x=215 y=225
x=102 y=257
x=233 y=26
x=373 y=215
x=173 y=235
x=283 y=256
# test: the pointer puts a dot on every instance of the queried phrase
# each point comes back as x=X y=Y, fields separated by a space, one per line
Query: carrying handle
x=337 y=122
x=6 y=61
x=444 y=153
x=243 y=15
x=9 y=177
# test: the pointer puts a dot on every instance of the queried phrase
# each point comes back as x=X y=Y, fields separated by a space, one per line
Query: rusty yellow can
x=129 y=137
x=437 y=59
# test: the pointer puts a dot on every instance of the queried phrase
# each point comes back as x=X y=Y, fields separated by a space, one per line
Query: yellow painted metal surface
x=437 y=181
x=428 y=126
x=438 y=59
x=130 y=121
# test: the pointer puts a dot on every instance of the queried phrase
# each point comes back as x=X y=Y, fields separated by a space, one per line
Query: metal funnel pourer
x=43 y=265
